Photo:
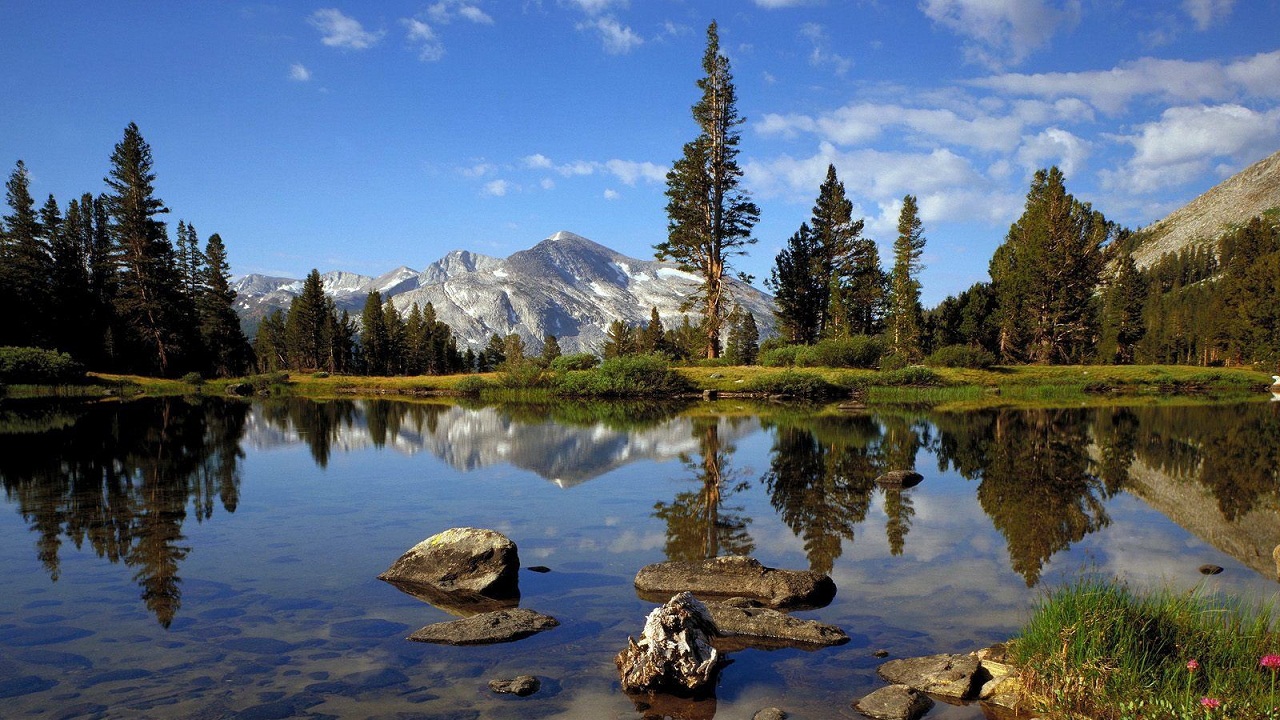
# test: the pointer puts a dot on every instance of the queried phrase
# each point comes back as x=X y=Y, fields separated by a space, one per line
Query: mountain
x=1250 y=192
x=566 y=285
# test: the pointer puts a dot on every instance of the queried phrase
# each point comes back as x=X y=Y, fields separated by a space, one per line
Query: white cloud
x=480 y=169
x=773 y=4
x=1188 y=141
x=1173 y=80
x=445 y=11
x=1206 y=12
x=338 y=30
x=630 y=171
x=1003 y=31
x=430 y=48
x=595 y=7
x=547 y=184
x=611 y=194
x=1054 y=146
x=857 y=123
x=299 y=73
x=821 y=55
x=497 y=188
x=537 y=161
x=618 y=39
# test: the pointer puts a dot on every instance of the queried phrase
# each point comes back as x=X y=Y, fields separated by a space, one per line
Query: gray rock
x=736 y=576
x=900 y=479
x=771 y=713
x=1210 y=569
x=674 y=653
x=945 y=675
x=521 y=685
x=487 y=628
x=896 y=702
x=460 y=560
x=744 y=623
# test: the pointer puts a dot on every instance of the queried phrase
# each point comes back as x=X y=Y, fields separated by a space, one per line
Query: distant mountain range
x=1250 y=192
x=566 y=285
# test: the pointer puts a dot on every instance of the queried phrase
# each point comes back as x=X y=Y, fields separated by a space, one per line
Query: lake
x=209 y=558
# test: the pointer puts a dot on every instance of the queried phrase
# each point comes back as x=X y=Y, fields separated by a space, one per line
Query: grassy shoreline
x=940 y=388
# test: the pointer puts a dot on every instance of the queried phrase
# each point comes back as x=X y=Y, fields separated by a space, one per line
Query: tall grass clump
x=626 y=376
x=1097 y=649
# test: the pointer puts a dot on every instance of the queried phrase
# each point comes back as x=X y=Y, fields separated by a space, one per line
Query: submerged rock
x=900 y=479
x=674 y=653
x=736 y=576
x=460 y=560
x=770 y=713
x=947 y=675
x=895 y=702
x=521 y=685
x=488 y=628
x=744 y=623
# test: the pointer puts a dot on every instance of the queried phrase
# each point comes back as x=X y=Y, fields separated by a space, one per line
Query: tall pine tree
x=226 y=350
x=709 y=217
x=800 y=288
x=905 y=315
x=24 y=266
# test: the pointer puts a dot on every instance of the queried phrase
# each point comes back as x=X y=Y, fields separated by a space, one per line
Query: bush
x=471 y=385
x=859 y=351
x=193 y=378
x=913 y=375
x=268 y=383
x=626 y=376
x=522 y=374
x=893 y=361
x=784 y=356
x=320 y=375
x=577 y=361
x=961 y=356
x=33 y=366
x=795 y=384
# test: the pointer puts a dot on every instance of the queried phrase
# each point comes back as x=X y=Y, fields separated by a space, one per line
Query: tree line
x=103 y=282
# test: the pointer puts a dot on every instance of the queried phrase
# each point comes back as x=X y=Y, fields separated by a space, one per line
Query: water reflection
x=699 y=523
x=120 y=478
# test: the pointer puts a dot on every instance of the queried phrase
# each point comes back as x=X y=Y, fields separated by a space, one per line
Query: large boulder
x=896 y=702
x=743 y=623
x=953 y=676
x=487 y=628
x=467 y=561
x=674 y=653
x=736 y=576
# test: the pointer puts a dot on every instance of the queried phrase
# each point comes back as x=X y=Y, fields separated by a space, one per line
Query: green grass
x=1097 y=649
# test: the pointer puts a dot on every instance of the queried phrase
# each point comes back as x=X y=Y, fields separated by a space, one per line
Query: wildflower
x=1209 y=703
x=1270 y=662
x=1192 y=665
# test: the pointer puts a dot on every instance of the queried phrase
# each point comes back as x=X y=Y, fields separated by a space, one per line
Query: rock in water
x=466 y=560
x=743 y=623
x=736 y=576
x=896 y=702
x=487 y=628
x=521 y=685
x=674 y=653
x=900 y=479
x=946 y=675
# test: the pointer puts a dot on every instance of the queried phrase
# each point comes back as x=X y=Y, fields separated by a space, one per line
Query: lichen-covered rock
x=744 y=623
x=463 y=560
x=736 y=576
x=674 y=653
x=945 y=675
x=521 y=685
x=895 y=702
x=488 y=628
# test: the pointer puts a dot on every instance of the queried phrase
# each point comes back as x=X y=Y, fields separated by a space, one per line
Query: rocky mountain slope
x=566 y=285
x=1250 y=192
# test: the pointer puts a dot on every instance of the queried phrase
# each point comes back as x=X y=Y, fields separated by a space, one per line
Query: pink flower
x=1192 y=665
x=1210 y=703
x=1270 y=662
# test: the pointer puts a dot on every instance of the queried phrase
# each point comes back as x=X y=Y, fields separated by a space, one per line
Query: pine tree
x=100 y=313
x=550 y=350
x=270 y=346
x=905 y=314
x=147 y=301
x=653 y=337
x=620 y=339
x=70 y=300
x=307 y=327
x=709 y=217
x=24 y=266
x=513 y=349
x=226 y=350
x=494 y=354
x=1045 y=274
x=374 y=340
x=800 y=288
x=840 y=256
x=396 y=339
x=416 y=342
x=744 y=338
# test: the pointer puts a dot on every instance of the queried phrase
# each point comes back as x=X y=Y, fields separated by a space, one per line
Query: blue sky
x=363 y=136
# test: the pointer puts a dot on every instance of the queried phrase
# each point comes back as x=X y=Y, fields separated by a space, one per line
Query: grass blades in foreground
x=1096 y=649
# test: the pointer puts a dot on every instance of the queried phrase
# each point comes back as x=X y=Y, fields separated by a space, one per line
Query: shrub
x=859 y=351
x=961 y=356
x=471 y=385
x=320 y=375
x=784 y=356
x=193 y=378
x=577 y=361
x=268 y=383
x=34 y=366
x=795 y=384
x=522 y=374
x=893 y=361
x=913 y=375
x=626 y=376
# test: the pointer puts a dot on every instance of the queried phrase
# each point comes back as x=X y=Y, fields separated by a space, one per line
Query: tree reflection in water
x=120 y=477
x=698 y=527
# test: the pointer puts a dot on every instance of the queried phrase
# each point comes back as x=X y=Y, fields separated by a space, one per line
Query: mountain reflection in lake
x=117 y=604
